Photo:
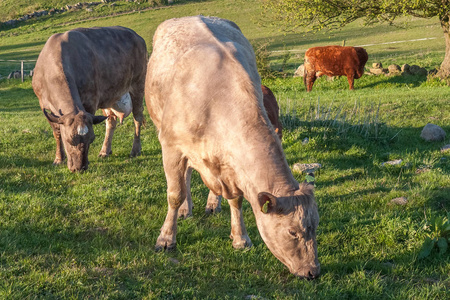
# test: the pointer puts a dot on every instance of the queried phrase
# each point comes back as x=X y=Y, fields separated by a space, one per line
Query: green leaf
x=265 y=207
x=309 y=178
x=442 y=245
x=427 y=246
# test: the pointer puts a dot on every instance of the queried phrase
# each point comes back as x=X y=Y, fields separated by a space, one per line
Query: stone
x=405 y=68
x=445 y=148
x=414 y=69
x=432 y=133
x=394 y=69
x=377 y=65
x=400 y=201
x=433 y=72
x=300 y=71
x=379 y=71
x=392 y=162
x=422 y=72
x=306 y=168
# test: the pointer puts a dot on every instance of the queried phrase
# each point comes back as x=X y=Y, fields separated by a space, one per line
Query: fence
x=12 y=68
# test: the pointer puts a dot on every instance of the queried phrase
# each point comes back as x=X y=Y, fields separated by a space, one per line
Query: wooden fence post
x=21 y=69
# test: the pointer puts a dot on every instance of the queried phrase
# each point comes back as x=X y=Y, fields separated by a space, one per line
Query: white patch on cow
x=123 y=107
x=82 y=130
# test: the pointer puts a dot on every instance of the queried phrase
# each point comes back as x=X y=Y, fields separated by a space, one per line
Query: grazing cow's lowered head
x=76 y=135
x=288 y=227
x=220 y=128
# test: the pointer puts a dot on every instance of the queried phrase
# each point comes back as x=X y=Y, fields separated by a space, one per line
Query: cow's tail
x=305 y=70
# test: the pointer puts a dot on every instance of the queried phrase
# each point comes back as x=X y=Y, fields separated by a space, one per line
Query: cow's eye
x=293 y=233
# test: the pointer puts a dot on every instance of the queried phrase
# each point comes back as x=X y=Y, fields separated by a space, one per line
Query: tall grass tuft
x=340 y=121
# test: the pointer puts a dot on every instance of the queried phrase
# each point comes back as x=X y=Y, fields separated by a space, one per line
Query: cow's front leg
x=111 y=123
x=175 y=169
x=351 y=80
x=214 y=204
x=185 y=210
x=309 y=79
x=238 y=231
x=59 y=155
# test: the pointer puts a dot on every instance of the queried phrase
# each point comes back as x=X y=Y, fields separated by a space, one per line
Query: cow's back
x=196 y=48
x=331 y=60
x=80 y=60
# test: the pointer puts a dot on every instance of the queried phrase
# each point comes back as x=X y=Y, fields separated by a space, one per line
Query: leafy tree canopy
x=330 y=14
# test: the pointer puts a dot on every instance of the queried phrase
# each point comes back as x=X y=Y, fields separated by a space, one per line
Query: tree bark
x=444 y=70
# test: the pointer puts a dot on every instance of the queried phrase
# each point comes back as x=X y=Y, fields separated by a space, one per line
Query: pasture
x=92 y=235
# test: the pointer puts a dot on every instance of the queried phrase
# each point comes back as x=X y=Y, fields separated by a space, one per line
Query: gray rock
x=379 y=71
x=415 y=69
x=432 y=133
x=405 y=68
x=394 y=69
x=306 y=168
x=400 y=201
x=445 y=148
x=377 y=65
x=422 y=72
x=392 y=162
x=300 y=71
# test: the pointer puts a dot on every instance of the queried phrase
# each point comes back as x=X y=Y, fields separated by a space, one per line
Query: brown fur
x=334 y=61
x=83 y=70
x=272 y=109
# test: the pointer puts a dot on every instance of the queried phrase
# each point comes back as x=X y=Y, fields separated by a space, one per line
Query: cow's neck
x=263 y=168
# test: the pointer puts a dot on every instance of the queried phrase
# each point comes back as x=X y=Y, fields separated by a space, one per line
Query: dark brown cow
x=334 y=61
x=83 y=70
x=272 y=109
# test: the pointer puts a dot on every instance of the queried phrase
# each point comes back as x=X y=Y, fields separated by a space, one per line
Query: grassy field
x=91 y=235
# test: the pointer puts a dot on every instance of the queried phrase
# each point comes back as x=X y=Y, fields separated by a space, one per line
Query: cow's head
x=76 y=134
x=288 y=227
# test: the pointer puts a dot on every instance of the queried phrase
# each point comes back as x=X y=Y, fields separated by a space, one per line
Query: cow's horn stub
x=82 y=130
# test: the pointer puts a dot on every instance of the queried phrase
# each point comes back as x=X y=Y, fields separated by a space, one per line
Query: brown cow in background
x=334 y=61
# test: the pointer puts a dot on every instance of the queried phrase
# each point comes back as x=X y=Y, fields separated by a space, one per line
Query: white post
x=21 y=69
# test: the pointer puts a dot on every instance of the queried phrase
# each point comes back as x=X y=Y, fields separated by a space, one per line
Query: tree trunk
x=444 y=71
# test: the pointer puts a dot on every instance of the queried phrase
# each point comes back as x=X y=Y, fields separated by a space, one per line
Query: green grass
x=92 y=235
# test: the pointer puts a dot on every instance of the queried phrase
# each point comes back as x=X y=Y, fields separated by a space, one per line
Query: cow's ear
x=267 y=202
x=52 y=117
x=98 y=119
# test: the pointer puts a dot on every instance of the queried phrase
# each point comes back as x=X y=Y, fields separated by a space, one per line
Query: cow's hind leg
x=238 y=231
x=175 y=169
x=111 y=123
x=59 y=155
x=214 y=204
x=185 y=210
x=137 y=98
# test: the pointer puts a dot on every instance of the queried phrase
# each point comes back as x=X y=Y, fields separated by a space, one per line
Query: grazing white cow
x=203 y=93
x=83 y=70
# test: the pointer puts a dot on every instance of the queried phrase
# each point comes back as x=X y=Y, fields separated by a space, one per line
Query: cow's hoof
x=184 y=213
x=165 y=244
x=104 y=154
x=212 y=209
x=165 y=247
x=240 y=243
x=136 y=151
x=58 y=162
